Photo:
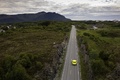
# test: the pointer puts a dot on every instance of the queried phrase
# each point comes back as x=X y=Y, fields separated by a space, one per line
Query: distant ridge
x=40 y=16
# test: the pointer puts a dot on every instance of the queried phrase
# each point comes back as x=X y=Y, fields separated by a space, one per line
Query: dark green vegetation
x=28 y=51
x=99 y=50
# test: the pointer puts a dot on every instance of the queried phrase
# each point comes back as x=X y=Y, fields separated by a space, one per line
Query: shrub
x=39 y=65
x=99 y=67
x=93 y=54
x=8 y=62
x=109 y=33
x=18 y=72
x=1 y=73
x=104 y=56
x=45 y=23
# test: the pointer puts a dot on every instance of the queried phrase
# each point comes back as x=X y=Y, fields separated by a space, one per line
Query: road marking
x=70 y=72
x=78 y=75
x=76 y=53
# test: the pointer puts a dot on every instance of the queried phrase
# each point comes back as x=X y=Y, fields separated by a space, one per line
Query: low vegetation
x=27 y=52
x=102 y=50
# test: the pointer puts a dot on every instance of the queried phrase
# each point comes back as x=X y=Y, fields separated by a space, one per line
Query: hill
x=41 y=16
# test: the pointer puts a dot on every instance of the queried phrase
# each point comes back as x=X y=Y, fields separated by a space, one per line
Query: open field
x=99 y=50
x=33 y=50
x=28 y=51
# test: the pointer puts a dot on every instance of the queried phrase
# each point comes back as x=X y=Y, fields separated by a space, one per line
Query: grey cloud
x=105 y=11
x=41 y=3
x=73 y=11
x=87 y=11
x=22 y=6
x=77 y=10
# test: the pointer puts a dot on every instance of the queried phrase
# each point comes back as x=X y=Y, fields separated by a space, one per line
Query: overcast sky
x=73 y=9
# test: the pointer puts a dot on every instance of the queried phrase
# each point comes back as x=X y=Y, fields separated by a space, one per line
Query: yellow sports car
x=74 y=62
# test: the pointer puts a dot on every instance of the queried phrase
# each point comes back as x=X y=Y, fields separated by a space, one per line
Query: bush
x=86 y=34
x=104 y=56
x=93 y=54
x=8 y=62
x=99 y=67
x=109 y=33
x=25 y=60
x=39 y=65
x=45 y=23
x=18 y=72
x=1 y=73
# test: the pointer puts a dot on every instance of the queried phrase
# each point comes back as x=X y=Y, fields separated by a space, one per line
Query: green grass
x=30 y=47
x=103 y=48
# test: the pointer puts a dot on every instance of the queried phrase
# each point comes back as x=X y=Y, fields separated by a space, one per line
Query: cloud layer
x=81 y=10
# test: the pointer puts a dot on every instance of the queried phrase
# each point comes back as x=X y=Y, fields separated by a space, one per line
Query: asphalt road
x=71 y=72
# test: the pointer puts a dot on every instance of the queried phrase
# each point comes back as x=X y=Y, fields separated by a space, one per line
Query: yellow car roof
x=74 y=60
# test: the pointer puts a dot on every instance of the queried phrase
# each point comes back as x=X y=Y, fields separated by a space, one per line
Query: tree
x=18 y=72
x=104 y=56
x=99 y=67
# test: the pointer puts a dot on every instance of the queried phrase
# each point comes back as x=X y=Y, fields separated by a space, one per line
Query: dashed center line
x=70 y=72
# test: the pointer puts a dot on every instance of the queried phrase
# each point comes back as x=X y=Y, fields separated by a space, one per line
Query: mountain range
x=40 y=16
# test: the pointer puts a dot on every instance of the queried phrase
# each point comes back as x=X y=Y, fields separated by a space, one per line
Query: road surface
x=71 y=72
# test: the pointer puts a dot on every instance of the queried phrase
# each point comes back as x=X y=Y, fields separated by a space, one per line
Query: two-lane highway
x=71 y=72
